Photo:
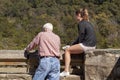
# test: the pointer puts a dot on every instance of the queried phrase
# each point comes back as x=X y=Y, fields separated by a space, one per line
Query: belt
x=49 y=56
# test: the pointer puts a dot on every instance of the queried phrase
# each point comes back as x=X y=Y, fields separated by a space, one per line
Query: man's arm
x=33 y=43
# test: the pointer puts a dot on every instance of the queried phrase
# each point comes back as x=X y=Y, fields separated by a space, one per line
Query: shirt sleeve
x=33 y=43
x=76 y=41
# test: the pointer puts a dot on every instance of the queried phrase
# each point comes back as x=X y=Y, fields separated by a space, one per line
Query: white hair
x=48 y=26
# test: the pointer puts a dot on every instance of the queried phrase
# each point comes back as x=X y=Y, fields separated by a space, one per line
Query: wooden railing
x=105 y=60
x=16 y=62
x=12 y=61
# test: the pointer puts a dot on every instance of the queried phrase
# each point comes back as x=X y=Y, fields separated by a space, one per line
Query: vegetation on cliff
x=21 y=20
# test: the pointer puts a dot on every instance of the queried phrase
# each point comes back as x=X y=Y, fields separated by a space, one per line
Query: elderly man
x=49 y=51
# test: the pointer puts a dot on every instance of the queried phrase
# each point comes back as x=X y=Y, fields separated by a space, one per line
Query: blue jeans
x=48 y=69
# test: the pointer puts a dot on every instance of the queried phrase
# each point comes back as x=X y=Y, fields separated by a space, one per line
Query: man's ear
x=43 y=29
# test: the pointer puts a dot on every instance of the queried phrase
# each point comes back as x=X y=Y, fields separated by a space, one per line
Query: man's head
x=48 y=26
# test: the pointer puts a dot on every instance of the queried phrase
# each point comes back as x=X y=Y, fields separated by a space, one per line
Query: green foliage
x=21 y=20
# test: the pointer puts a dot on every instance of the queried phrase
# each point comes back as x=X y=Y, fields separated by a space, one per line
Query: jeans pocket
x=56 y=66
x=43 y=65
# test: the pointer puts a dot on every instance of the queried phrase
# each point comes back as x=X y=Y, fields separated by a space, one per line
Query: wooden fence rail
x=14 y=61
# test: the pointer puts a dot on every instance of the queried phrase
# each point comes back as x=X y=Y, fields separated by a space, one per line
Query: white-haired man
x=49 y=50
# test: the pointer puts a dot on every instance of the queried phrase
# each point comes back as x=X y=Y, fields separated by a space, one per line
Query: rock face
x=103 y=64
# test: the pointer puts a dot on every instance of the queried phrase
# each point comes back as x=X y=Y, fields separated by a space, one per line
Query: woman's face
x=78 y=17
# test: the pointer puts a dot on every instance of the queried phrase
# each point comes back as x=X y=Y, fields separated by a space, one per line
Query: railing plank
x=12 y=54
x=13 y=69
x=13 y=64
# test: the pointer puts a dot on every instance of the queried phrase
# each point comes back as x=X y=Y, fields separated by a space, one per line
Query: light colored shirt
x=48 y=44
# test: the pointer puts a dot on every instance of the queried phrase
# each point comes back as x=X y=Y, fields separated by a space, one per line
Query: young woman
x=86 y=39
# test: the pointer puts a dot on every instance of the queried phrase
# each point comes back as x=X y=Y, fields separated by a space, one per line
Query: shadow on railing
x=77 y=63
x=32 y=61
x=115 y=73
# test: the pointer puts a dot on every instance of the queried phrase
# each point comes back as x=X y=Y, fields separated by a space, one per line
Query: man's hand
x=26 y=54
